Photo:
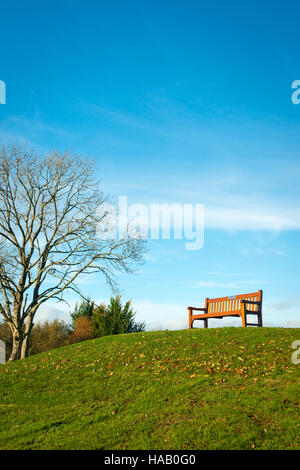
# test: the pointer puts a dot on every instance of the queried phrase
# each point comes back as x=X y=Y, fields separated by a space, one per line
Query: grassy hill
x=225 y=388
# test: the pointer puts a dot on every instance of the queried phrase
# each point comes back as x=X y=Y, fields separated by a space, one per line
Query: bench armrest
x=255 y=302
x=197 y=308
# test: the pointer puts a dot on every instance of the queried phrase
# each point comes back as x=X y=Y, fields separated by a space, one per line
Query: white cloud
x=160 y=313
x=175 y=324
x=219 y=273
x=230 y=285
x=292 y=324
x=50 y=311
x=247 y=217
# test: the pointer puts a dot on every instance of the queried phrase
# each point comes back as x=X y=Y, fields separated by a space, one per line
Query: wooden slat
x=236 y=313
x=240 y=296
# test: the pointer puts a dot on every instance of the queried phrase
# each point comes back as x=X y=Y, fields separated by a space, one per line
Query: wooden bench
x=234 y=306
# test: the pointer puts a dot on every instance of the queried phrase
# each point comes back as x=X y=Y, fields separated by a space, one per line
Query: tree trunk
x=27 y=332
x=21 y=337
x=24 y=347
x=17 y=345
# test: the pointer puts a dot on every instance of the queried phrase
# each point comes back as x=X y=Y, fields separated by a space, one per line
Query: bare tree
x=48 y=227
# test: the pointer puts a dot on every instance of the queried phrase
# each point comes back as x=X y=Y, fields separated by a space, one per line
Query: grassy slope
x=227 y=388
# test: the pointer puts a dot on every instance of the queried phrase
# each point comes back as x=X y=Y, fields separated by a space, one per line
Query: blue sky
x=178 y=102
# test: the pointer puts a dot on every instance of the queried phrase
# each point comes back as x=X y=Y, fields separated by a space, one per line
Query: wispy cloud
x=221 y=273
x=227 y=205
x=248 y=252
x=231 y=285
x=248 y=217
x=34 y=132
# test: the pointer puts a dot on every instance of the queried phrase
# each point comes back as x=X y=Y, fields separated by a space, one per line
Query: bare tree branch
x=49 y=213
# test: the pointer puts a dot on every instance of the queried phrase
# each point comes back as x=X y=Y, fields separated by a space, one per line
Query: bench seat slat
x=233 y=313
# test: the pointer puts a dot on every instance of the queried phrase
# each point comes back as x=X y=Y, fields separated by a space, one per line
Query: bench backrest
x=233 y=303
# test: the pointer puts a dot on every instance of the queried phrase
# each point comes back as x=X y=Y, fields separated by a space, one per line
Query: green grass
x=225 y=388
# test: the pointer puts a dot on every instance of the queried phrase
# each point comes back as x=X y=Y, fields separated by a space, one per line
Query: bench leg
x=205 y=320
x=243 y=315
x=190 y=319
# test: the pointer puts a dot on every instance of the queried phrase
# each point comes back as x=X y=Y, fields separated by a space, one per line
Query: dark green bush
x=115 y=318
x=83 y=309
